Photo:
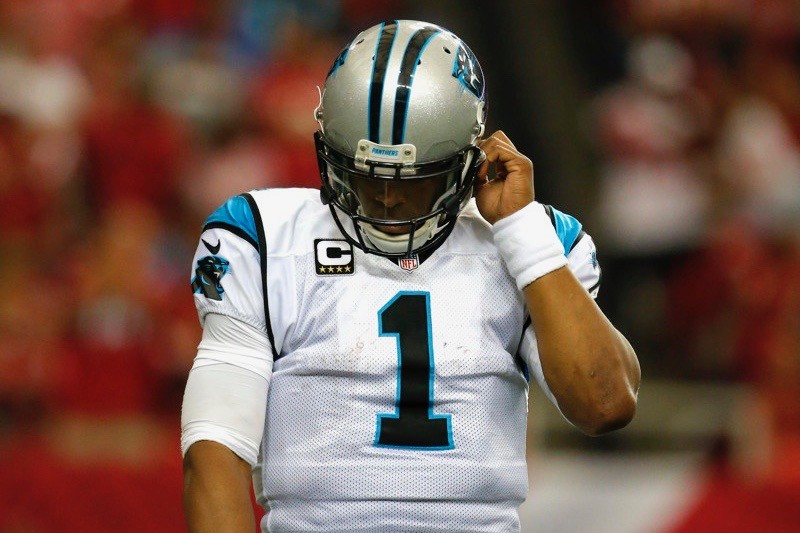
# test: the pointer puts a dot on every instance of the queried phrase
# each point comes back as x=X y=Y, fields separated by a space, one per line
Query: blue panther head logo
x=468 y=71
x=209 y=272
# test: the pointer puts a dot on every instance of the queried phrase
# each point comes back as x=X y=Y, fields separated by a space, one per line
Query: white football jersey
x=398 y=397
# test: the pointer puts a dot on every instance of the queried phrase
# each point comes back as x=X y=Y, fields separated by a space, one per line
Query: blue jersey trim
x=567 y=228
x=235 y=213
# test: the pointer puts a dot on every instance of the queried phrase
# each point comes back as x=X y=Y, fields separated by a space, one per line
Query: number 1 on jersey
x=407 y=317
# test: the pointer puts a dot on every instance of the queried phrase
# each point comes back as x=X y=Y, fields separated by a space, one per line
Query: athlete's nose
x=390 y=197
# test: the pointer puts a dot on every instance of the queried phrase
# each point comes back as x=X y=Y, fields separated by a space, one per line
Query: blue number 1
x=413 y=424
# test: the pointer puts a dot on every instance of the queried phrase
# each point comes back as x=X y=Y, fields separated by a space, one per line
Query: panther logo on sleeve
x=210 y=270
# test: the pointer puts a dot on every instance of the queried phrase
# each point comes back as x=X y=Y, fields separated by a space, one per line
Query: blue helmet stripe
x=379 y=66
x=408 y=66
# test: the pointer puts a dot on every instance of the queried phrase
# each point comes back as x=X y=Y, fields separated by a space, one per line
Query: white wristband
x=529 y=245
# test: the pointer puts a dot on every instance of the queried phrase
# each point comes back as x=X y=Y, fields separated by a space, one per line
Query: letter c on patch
x=334 y=253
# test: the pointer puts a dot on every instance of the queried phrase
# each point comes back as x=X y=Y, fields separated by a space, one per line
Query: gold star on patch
x=321 y=270
x=338 y=269
x=347 y=268
x=330 y=270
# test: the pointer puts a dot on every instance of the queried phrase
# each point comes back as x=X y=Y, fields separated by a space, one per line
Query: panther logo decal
x=210 y=270
x=468 y=71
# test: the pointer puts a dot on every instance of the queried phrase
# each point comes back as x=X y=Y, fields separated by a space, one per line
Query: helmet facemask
x=397 y=210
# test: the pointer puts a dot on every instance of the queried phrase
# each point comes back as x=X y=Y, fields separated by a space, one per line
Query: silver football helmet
x=402 y=109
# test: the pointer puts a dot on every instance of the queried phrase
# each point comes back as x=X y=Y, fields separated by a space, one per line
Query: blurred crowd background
x=671 y=128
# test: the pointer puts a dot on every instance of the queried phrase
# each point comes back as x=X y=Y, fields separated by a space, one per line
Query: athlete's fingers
x=500 y=134
x=506 y=159
x=492 y=144
x=502 y=158
x=497 y=137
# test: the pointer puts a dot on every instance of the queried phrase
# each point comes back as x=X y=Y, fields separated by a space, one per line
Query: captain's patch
x=333 y=257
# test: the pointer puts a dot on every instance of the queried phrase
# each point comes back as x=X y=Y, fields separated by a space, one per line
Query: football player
x=366 y=351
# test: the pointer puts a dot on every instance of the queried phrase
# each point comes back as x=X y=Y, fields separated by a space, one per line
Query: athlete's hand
x=512 y=187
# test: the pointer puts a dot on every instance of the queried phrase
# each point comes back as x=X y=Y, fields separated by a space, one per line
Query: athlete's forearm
x=216 y=490
x=589 y=366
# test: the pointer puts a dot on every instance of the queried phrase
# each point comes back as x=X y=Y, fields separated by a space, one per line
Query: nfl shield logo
x=409 y=263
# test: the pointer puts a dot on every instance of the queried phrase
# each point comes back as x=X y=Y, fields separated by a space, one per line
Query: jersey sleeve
x=226 y=391
x=226 y=275
x=579 y=249
x=581 y=256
